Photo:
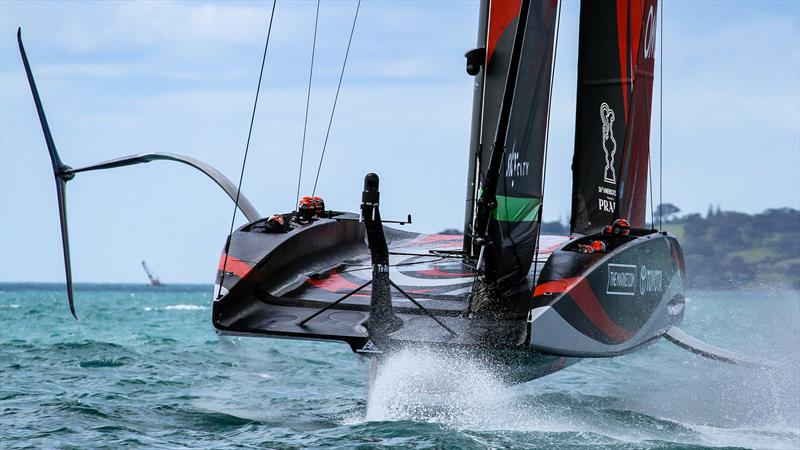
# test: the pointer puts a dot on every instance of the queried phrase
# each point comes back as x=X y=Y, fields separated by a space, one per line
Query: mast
x=516 y=99
x=616 y=58
x=154 y=281
x=632 y=193
x=476 y=58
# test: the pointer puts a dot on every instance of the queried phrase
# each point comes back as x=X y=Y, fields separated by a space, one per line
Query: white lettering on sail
x=606 y=205
x=515 y=167
x=606 y=191
x=609 y=143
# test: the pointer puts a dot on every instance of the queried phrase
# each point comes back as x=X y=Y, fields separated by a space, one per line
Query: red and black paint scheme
x=597 y=293
x=309 y=283
x=616 y=58
x=518 y=140
x=610 y=302
x=583 y=305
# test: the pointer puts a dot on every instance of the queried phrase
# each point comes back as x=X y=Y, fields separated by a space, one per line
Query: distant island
x=727 y=249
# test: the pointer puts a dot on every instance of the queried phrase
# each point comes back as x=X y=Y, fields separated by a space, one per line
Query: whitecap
x=180 y=307
x=186 y=307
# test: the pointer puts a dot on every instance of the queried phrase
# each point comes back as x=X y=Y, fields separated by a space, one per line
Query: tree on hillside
x=667 y=210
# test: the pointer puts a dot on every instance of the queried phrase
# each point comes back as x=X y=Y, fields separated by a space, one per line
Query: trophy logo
x=609 y=143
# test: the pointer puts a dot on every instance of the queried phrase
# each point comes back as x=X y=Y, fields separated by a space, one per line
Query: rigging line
x=247 y=148
x=650 y=165
x=661 y=122
x=336 y=98
x=308 y=102
x=650 y=179
x=547 y=138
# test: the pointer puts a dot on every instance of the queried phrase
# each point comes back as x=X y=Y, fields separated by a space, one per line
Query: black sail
x=514 y=223
x=615 y=59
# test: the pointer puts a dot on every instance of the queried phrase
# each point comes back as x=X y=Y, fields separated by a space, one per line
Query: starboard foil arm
x=221 y=180
x=694 y=345
x=63 y=173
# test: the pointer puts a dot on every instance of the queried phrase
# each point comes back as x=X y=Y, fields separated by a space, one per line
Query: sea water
x=143 y=367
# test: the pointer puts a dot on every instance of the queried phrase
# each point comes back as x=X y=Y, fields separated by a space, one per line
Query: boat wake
x=425 y=385
x=464 y=393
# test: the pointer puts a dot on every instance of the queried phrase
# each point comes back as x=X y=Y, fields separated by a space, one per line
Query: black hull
x=275 y=281
x=608 y=304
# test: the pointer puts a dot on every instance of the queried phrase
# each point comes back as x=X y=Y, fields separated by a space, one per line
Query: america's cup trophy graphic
x=609 y=143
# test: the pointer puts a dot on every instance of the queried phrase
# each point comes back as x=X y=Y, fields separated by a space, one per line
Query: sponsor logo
x=609 y=142
x=621 y=279
x=606 y=205
x=515 y=167
x=650 y=281
x=369 y=347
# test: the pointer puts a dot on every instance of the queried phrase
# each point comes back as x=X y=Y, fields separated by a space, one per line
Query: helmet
x=276 y=219
x=620 y=227
x=592 y=247
x=275 y=223
x=319 y=205
x=598 y=246
x=306 y=208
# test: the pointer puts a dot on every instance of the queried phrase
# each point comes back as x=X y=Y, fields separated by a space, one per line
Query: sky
x=119 y=78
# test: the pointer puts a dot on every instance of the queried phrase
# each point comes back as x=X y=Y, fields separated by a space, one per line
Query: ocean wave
x=180 y=307
x=12 y=306
x=104 y=362
x=186 y=307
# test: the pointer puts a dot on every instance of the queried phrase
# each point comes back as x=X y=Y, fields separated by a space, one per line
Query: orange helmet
x=620 y=227
x=319 y=205
x=598 y=246
x=592 y=247
x=306 y=208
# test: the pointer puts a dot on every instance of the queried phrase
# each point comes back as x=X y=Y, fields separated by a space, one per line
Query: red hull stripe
x=445 y=240
x=235 y=266
x=556 y=286
x=334 y=282
x=583 y=296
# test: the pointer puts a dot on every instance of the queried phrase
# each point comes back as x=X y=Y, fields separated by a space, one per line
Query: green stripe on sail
x=517 y=209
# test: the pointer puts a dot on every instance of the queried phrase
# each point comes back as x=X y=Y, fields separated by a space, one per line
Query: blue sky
x=131 y=77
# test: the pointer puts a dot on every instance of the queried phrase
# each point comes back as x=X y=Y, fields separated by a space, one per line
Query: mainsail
x=514 y=222
x=616 y=58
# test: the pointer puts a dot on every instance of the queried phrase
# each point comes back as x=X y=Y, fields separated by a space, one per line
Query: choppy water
x=144 y=368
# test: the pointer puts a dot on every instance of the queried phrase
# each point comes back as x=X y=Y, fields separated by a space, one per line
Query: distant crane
x=154 y=281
